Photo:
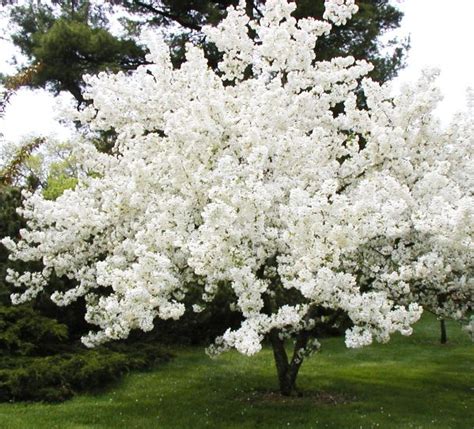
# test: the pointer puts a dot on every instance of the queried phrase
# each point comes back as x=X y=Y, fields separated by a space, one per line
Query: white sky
x=442 y=35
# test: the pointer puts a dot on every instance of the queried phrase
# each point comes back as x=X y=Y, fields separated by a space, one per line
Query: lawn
x=411 y=382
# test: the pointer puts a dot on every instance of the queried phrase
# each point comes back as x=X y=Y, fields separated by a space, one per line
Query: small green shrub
x=24 y=331
x=59 y=377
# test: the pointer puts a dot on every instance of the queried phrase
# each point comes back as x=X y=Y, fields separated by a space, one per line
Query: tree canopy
x=67 y=41
x=359 y=37
x=222 y=179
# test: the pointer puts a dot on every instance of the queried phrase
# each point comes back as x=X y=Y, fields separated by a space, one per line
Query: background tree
x=68 y=39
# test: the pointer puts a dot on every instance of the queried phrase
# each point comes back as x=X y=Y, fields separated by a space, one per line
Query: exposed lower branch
x=167 y=15
x=288 y=371
x=297 y=359
x=281 y=360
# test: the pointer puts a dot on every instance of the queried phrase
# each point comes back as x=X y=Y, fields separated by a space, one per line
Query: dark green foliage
x=189 y=14
x=360 y=36
x=24 y=331
x=66 y=45
x=70 y=49
x=60 y=376
x=10 y=221
x=10 y=224
x=31 y=19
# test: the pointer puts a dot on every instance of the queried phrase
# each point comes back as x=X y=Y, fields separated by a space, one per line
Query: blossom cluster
x=275 y=182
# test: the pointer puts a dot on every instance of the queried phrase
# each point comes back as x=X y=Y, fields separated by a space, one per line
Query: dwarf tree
x=253 y=183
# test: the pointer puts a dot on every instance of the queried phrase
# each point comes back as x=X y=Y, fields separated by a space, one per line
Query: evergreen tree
x=66 y=41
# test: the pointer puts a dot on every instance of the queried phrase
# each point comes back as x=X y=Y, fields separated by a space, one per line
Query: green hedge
x=59 y=377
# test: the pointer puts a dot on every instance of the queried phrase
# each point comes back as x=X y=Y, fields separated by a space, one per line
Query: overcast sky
x=442 y=35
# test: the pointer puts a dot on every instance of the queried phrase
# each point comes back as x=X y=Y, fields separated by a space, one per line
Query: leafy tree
x=68 y=40
x=256 y=190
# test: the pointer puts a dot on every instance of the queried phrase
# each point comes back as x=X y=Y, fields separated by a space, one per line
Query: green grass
x=411 y=382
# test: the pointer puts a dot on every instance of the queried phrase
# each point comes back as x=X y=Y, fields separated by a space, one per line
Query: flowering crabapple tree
x=264 y=178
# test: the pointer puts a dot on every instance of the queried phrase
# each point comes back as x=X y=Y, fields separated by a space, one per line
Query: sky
x=441 y=33
x=442 y=36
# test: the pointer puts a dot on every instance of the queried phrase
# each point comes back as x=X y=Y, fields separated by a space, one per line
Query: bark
x=287 y=371
x=444 y=335
x=76 y=92
x=249 y=5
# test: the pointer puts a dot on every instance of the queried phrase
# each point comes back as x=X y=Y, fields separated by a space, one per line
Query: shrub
x=59 y=377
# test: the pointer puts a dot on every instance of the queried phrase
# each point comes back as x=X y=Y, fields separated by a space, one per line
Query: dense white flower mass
x=264 y=176
x=339 y=11
x=433 y=263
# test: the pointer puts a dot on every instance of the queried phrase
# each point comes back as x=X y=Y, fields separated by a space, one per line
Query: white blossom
x=256 y=183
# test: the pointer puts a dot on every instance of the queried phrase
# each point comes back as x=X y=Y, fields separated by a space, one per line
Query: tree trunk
x=287 y=371
x=444 y=335
x=249 y=5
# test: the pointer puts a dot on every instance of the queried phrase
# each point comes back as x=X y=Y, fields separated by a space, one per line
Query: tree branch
x=150 y=8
